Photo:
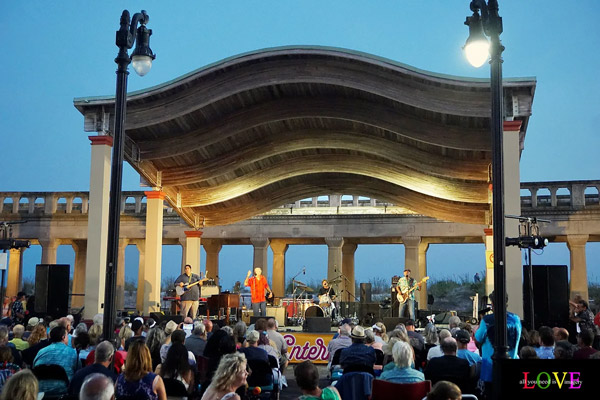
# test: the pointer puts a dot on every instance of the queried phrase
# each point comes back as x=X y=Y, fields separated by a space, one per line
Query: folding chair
x=390 y=390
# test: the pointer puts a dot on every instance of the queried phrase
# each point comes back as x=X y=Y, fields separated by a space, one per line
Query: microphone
x=304 y=271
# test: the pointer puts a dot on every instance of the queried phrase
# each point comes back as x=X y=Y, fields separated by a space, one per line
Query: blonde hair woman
x=138 y=378
x=23 y=386
x=230 y=375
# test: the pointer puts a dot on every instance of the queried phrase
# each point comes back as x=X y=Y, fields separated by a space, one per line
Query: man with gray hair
x=103 y=357
x=450 y=368
x=436 y=351
x=341 y=342
x=196 y=342
x=97 y=387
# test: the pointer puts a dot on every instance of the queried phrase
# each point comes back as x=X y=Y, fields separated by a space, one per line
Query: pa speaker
x=175 y=318
x=550 y=295
x=318 y=324
x=52 y=289
x=391 y=322
x=157 y=316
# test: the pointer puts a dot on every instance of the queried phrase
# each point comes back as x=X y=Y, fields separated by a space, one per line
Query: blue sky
x=54 y=53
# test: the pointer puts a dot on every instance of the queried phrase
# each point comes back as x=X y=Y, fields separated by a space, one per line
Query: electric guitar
x=402 y=297
x=182 y=289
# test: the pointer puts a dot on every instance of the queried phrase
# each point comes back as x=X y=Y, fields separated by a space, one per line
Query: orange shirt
x=257 y=285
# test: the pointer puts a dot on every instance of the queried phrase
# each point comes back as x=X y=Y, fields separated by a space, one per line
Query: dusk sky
x=56 y=51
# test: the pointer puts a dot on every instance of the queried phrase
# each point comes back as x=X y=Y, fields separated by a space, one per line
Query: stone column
x=120 y=289
x=279 y=248
x=14 y=280
x=80 y=249
x=49 y=247
x=152 y=267
x=334 y=260
x=141 y=284
x=348 y=284
x=411 y=261
x=212 y=248
x=95 y=266
x=512 y=206
x=489 y=260
x=192 y=250
x=261 y=248
x=421 y=295
x=579 y=282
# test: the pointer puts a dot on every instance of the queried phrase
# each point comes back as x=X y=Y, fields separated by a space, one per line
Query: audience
x=103 y=356
x=402 y=372
x=229 y=376
x=178 y=336
x=560 y=333
x=462 y=341
x=546 y=349
x=22 y=386
x=341 y=342
x=4 y=341
x=450 y=368
x=280 y=344
x=97 y=387
x=154 y=339
x=137 y=327
x=18 y=331
x=585 y=338
x=196 y=342
x=7 y=367
x=177 y=366
x=138 y=380
x=529 y=353
x=307 y=378
x=253 y=352
x=436 y=351
x=57 y=353
x=239 y=333
x=563 y=350
x=444 y=390
x=380 y=332
x=358 y=356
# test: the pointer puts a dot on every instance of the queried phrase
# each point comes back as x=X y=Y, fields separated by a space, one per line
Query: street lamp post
x=142 y=58
x=489 y=23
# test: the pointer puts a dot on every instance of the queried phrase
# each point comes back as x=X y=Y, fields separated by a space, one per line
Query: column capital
x=101 y=140
x=193 y=234
x=212 y=245
x=423 y=247
x=334 y=242
x=16 y=252
x=260 y=242
x=488 y=231
x=349 y=248
x=155 y=194
x=512 y=126
x=411 y=241
x=49 y=243
x=577 y=240
x=279 y=246
x=123 y=243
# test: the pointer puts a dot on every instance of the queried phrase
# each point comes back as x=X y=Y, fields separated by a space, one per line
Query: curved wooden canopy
x=247 y=134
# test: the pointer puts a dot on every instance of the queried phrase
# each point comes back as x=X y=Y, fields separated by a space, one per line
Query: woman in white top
x=230 y=375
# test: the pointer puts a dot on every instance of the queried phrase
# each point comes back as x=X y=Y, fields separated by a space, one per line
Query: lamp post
x=141 y=58
x=489 y=24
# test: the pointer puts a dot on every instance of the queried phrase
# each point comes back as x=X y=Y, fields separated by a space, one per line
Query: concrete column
x=49 y=247
x=334 y=260
x=279 y=248
x=421 y=295
x=120 y=290
x=140 y=295
x=212 y=248
x=192 y=250
x=489 y=260
x=512 y=206
x=579 y=282
x=95 y=266
x=80 y=249
x=261 y=247
x=152 y=267
x=14 y=279
x=348 y=283
x=411 y=261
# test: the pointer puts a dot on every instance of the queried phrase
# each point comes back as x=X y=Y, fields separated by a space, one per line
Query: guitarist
x=189 y=300
x=404 y=285
x=258 y=286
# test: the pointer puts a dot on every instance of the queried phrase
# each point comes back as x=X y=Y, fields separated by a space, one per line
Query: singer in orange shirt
x=258 y=288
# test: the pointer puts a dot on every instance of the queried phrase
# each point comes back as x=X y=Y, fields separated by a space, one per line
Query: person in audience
x=97 y=387
x=137 y=327
x=7 y=367
x=462 y=341
x=453 y=323
x=82 y=346
x=380 y=332
x=18 y=308
x=37 y=340
x=196 y=342
x=67 y=324
x=229 y=376
x=209 y=328
x=546 y=349
x=103 y=356
x=585 y=338
x=178 y=336
x=533 y=338
x=370 y=340
x=218 y=345
x=138 y=380
x=529 y=353
x=57 y=352
x=253 y=352
x=358 y=356
x=22 y=386
x=239 y=333
x=4 y=341
x=280 y=344
x=268 y=346
x=560 y=333
x=583 y=317
x=402 y=372
x=177 y=366
x=188 y=326
x=450 y=368
x=563 y=350
x=471 y=346
x=444 y=390
x=80 y=328
x=436 y=351
x=125 y=333
x=154 y=339
x=341 y=342
x=18 y=331
x=307 y=378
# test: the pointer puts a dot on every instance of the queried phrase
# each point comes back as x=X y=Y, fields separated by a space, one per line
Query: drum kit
x=305 y=308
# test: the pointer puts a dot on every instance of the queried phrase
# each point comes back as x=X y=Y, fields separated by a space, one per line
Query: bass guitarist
x=407 y=286
x=189 y=299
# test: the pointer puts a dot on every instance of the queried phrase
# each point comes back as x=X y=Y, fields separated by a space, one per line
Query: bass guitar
x=182 y=289
x=402 y=297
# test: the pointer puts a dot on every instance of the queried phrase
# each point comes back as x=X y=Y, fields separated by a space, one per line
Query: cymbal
x=307 y=289
x=299 y=283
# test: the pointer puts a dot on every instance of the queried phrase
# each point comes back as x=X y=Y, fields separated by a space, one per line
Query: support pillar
x=261 y=247
x=411 y=261
x=120 y=289
x=421 y=295
x=14 y=281
x=95 y=266
x=489 y=260
x=80 y=249
x=348 y=283
x=212 y=248
x=334 y=260
x=152 y=268
x=192 y=250
x=279 y=248
x=49 y=247
x=140 y=295
x=579 y=282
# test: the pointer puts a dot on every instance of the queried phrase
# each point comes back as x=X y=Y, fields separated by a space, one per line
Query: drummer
x=326 y=296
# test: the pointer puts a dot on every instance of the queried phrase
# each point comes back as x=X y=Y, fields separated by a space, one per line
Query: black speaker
x=157 y=316
x=175 y=318
x=318 y=324
x=550 y=295
x=369 y=313
x=391 y=322
x=349 y=309
x=52 y=289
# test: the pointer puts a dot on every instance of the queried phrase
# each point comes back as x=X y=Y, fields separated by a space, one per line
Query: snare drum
x=314 y=311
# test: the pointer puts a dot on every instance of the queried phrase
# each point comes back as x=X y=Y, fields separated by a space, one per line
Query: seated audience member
x=560 y=334
x=307 y=378
x=138 y=380
x=341 y=342
x=7 y=367
x=533 y=338
x=253 y=352
x=81 y=343
x=137 y=327
x=57 y=353
x=462 y=341
x=370 y=340
x=154 y=339
x=188 y=326
x=229 y=376
x=358 y=356
x=431 y=336
x=471 y=346
x=280 y=344
x=102 y=358
x=402 y=372
x=209 y=328
x=444 y=390
x=265 y=344
x=380 y=332
x=585 y=338
x=176 y=337
x=196 y=342
x=563 y=350
x=529 y=353
x=546 y=349
x=453 y=323
x=97 y=387
x=219 y=344
x=436 y=351
x=37 y=341
x=18 y=331
x=23 y=386
x=450 y=368
x=239 y=333
x=177 y=366
x=416 y=339
x=4 y=341
x=125 y=333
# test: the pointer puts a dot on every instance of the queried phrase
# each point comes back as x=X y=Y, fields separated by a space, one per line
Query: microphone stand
x=295 y=306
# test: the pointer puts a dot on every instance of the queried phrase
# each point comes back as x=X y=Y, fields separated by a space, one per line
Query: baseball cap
x=462 y=336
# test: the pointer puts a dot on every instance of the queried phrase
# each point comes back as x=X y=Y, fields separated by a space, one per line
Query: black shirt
x=79 y=377
x=193 y=293
x=323 y=291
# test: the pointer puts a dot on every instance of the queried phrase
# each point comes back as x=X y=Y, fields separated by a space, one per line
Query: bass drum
x=314 y=311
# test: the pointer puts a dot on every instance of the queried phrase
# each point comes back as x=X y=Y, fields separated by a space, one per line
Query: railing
x=560 y=194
